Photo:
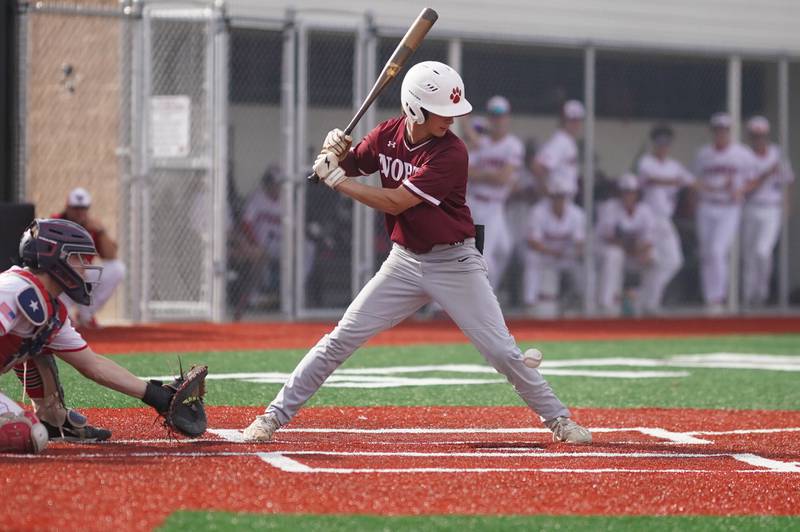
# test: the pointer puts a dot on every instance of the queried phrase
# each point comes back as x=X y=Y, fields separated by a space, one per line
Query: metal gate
x=332 y=242
x=178 y=175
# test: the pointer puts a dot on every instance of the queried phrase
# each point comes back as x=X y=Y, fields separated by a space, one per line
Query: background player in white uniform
x=494 y=167
x=763 y=209
x=556 y=231
x=423 y=169
x=559 y=155
x=661 y=179
x=34 y=326
x=625 y=242
x=722 y=169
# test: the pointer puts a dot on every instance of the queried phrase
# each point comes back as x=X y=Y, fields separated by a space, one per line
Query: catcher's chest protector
x=44 y=313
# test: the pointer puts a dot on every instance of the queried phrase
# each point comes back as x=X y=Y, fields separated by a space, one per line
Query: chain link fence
x=535 y=81
x=256 y=172
x=195 y=134
x=325 y=243
x=635 y=93
x=70 y=95
x=178 y=197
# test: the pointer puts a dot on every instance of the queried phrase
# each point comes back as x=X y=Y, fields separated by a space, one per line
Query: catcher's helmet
x=62 y=249
x=434 y=87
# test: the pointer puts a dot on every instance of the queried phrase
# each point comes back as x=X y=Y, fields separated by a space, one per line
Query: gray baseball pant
x=455 y=277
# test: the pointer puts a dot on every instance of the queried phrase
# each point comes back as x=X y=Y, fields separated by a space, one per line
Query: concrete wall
x=764 y=25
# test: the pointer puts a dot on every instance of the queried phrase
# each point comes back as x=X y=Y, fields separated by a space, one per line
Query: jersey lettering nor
x=434 y=170
x=395 y=168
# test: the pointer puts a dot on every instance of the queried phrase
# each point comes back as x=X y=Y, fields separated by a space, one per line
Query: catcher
x=34 y=326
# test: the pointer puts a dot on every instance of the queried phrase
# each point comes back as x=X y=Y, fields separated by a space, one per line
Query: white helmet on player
x=434 y=87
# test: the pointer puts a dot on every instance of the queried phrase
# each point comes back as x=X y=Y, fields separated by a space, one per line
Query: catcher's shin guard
x=39 y=377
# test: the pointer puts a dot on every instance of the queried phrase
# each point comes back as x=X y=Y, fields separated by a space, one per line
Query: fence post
x=21 y=139
x=589 y=63
x=301 y=139
x=289 y=250
x=735 y=110
x=783 y=141
x=218 y=97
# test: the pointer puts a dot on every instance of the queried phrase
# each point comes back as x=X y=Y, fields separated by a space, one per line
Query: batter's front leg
x=463 y=290
x=385 y=301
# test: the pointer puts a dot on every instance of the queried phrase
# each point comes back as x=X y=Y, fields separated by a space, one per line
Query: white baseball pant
x=668 y=259
x=498 y=240
x=542 y=277
x=717 y=226
x=613 y=263
x=761 y=226
x=453 y=276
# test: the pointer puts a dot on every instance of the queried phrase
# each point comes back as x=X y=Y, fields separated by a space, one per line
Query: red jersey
x=434 y=170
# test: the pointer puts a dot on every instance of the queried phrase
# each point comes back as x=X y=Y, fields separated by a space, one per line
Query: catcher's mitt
x=180 y=402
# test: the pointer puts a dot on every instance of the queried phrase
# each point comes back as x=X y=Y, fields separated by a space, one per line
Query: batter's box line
x=664 y=435
x=282 y=462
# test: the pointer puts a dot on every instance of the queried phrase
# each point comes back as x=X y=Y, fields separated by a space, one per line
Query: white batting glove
x=337 y=143
x=327 y=168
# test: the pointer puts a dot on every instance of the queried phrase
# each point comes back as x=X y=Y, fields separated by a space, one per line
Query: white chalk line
x=281 y=460
x=663 y=435
x=670 y=437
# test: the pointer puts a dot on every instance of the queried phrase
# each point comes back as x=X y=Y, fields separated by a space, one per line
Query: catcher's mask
x=64 y=250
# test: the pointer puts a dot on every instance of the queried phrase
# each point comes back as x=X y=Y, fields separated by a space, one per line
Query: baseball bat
x=407 y=46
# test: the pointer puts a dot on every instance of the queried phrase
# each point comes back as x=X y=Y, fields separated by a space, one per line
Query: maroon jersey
x=435 y=170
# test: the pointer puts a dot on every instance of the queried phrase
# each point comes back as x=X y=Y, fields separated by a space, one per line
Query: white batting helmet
x=435 y=87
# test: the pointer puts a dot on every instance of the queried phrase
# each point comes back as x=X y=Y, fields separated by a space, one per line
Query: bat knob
x=313 y=178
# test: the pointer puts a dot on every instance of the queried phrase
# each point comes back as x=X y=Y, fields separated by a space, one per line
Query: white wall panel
x=763 y=26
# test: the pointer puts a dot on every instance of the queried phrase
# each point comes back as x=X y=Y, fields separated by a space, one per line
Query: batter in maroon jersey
x=423 y=169
x=433 y=171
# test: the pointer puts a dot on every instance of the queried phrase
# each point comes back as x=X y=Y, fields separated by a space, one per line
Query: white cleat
x=261 y=429
x=566 y=430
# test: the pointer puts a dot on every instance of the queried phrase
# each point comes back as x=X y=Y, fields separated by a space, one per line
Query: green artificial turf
x=704 y=388
x=366 y=523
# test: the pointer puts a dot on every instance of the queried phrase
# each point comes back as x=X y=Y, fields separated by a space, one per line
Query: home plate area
x=434 y=445
x=469 y=460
